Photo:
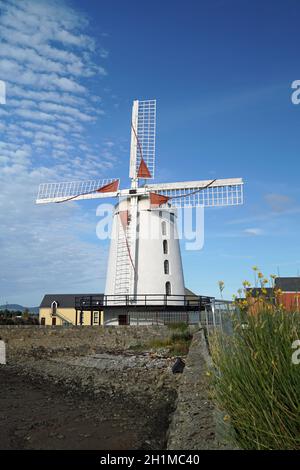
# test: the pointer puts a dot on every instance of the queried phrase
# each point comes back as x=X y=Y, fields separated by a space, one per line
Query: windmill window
x=54 y=307
x=168 y=288
x=165 y=247
x=164 y=228
x=160 y=213
x=166 y=267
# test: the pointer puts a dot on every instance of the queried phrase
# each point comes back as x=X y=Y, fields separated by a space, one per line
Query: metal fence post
x=221 y=322
x=214 y=317
x=206 y=316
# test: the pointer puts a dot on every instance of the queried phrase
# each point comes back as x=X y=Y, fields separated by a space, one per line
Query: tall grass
x=178 y=342
x=255 y=382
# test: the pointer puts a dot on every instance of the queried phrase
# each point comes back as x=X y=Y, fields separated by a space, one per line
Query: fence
x=160 y=318
x=159 y=301
x=218 y=315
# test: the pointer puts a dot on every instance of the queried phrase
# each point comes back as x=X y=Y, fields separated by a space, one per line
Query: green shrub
x=159 y=343
x=181 y=326
x=255 y=382
x=181 y=336
x=177 y=344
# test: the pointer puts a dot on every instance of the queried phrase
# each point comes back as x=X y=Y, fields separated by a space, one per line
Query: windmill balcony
x=151 y=302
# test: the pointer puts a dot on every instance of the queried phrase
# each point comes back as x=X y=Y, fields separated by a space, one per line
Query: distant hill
x=19 y=307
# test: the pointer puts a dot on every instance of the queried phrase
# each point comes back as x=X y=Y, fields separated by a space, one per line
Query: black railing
x=142 y=300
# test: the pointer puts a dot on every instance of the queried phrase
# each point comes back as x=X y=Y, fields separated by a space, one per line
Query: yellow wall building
x=59 y=309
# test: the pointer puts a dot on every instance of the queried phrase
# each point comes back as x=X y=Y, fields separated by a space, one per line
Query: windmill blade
x=142 y=148
x=207 y=193
x=75 y=190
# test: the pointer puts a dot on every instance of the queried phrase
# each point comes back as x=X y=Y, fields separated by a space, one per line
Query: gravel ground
x=44 y=404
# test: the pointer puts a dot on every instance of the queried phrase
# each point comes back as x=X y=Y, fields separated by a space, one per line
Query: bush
x=255 y=381
x=181 y=326
x=177 y=344
x=181 y=336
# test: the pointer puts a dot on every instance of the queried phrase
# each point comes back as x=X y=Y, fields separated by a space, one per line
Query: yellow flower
x=221 y=285
x=208 y=373
x=226 y=418
x=265 y=281
x=264 y=291
x=246 y=284
x=255 y=268
x=260 y=275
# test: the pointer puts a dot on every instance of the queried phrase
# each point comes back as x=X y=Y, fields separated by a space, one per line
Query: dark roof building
x=63 y=300
x=288 y=290
x=288 y=284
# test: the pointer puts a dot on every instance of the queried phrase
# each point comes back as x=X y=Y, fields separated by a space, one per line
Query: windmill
x=145 y=265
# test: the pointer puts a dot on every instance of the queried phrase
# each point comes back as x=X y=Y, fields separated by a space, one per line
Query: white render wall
x=149 y=261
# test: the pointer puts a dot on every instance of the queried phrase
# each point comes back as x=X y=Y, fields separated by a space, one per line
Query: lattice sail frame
x=223 y=192
x=59 y=192
x=143 y=130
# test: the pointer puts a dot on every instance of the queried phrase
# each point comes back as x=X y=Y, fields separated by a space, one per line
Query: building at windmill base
x=90 y=310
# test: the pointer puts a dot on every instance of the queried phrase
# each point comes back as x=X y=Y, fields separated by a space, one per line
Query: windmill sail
x=142 y=149
x=138 y=265
x=75 y=190
x=207 y=193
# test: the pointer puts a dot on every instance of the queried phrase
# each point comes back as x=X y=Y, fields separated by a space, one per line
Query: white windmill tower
x=141 y=265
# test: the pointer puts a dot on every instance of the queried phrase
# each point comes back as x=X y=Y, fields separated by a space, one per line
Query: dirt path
x=43 y=415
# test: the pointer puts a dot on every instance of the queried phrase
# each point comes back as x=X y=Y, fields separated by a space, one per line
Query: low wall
x=46 y=340
x=195 y=422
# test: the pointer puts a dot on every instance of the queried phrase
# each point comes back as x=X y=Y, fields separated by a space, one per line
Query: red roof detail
x=109 y=188
x=158 y=199
x=143 y=170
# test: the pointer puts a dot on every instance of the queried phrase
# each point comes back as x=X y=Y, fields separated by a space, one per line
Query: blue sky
x=221 y=72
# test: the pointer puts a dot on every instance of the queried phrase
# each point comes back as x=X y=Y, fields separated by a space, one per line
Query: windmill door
x=123 y=319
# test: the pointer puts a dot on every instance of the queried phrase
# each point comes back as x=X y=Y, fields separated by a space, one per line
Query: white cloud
x=52 y=96
x=56 y=108
x=278 y=202
x=254 y=231
x=46 y=58
x=13 y=72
